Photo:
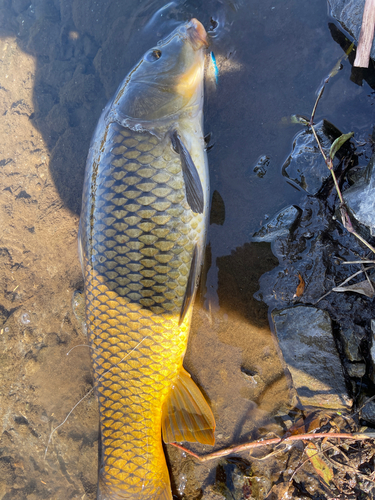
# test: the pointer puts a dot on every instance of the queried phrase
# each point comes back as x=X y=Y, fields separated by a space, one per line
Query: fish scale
x=138 y=237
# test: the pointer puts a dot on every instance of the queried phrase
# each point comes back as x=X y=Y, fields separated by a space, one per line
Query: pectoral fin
x=193 y=185
x=190 y=287
x=186 y=414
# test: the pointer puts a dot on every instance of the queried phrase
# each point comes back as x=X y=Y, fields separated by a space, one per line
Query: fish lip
x=196 y=34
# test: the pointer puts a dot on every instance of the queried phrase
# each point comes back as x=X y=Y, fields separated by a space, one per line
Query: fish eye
x=153 y=55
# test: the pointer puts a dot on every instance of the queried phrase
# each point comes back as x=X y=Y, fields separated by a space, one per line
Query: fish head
x=168 y=79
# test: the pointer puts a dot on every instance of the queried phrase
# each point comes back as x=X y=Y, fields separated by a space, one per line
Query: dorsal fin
x=193 y=185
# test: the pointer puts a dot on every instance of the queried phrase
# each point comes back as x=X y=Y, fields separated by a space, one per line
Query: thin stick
x=358 y=262
x=328 y=160
x=80 y=345
x=90 y=391
x=370 y=247
x=367 y=34
x=318 y=99
x=274 y=441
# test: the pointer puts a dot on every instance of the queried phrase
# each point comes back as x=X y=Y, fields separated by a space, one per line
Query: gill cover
x=167 y=80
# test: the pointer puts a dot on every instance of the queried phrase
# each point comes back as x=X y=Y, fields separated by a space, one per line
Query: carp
x=141 y=243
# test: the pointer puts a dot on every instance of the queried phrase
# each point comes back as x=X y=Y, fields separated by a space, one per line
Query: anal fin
x=186 y=414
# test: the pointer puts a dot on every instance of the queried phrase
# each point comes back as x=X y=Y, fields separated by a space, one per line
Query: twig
x=359 y=262
x=328 y=160
x=88 y=393
x=367 y=34
x=344 y=282
x=318 y=98
x=267 y=442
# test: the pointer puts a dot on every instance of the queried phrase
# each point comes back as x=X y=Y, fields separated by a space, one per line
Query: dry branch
x=267 y=442
x=366 y=36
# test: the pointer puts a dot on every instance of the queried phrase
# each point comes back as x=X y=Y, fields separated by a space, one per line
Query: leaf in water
x=300 y=119
x=363 y=287
x=338 y=143
x=308 y=423
x=338 y=65
x=320 y=465
x=279 y=491
x=300 y=287
x=336 y=68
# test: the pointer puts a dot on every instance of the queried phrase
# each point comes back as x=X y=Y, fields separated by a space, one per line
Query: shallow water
x=59 y=63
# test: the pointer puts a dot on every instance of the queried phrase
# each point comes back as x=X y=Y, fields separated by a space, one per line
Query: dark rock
x=80 y=89
x=45 y=99
x=57 y=73
x=309 y=350
x=262 y=165
x=315 y=250
x=20 y=5
x=351 y=344
x=87 y=17
x=235 y=481
x=303 y=251
x=368 y=412
x=349 y=13
x=45 y=9
x=279 y=226
x=58 y=119
x=44 y=37
x=306 y=166
x=355 y=370
x=90 y=47
x=25 y=21
x=111 y=55
x=360 y=198
x=68 y=174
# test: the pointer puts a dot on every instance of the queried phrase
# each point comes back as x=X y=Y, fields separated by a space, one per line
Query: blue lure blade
x=216 y=69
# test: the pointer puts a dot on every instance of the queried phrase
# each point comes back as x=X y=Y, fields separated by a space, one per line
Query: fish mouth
x=196 y=34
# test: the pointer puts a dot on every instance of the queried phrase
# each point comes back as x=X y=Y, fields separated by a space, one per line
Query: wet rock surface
x=305 y=165
x=280 y=225
x=368 y=411
x=360 y=198
x=305 y=338
x=349 y=13
x=314 y=254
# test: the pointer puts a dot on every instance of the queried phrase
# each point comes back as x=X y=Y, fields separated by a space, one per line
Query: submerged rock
x=355 y=370
x=351 y=338
x=235 y=480
x=368 y=411
x=278 y=226
x=309 y=350
x=349 y=14
x=360 y=198
x=306 y=166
